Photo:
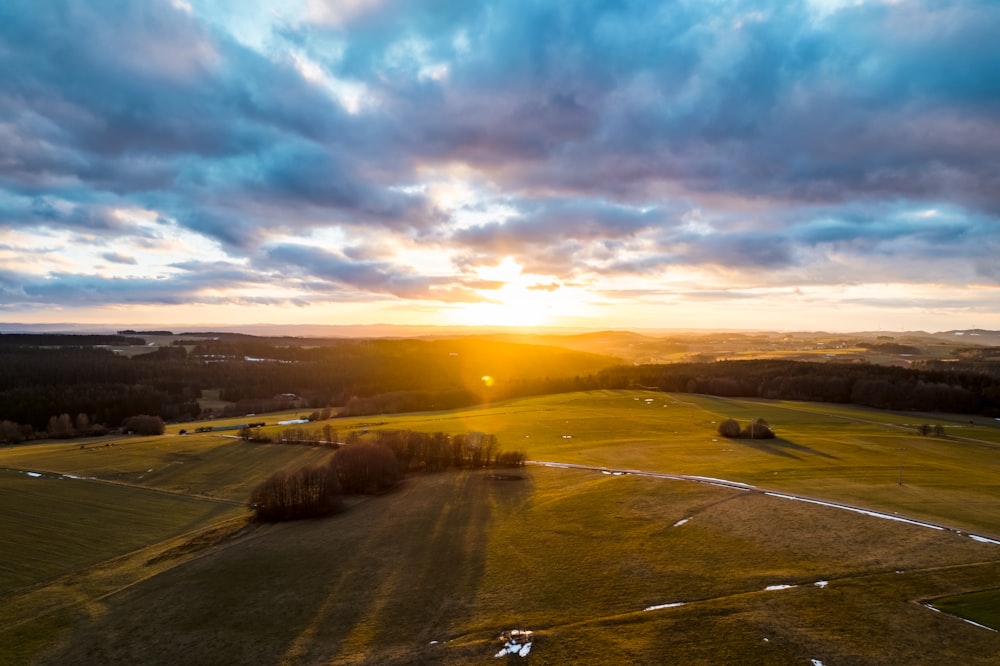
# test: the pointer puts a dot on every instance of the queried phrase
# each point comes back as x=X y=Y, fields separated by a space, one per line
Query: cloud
x=756 y=142
x=118 y=258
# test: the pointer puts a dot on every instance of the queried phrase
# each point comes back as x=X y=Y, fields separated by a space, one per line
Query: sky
x=787 y=165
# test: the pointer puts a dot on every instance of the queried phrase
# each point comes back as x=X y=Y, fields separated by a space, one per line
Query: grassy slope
x=982 y=607
x=54 y=525
x=206 y=465
x=576 y=555
x=831 y=452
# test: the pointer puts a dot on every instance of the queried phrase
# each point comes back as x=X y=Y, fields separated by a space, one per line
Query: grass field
x=52 y=525
x=433 y=572
x=576 y=557
x=981 y=607
x=831 y=452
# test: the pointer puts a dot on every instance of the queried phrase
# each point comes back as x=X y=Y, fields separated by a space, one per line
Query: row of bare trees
x=431 y=452
x=371 y=463
x=317 y=490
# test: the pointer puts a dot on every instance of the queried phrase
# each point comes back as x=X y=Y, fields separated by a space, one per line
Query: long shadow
x=783 y=447
x=392 y=574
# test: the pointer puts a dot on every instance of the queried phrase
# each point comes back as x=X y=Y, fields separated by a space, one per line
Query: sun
x=521 y=300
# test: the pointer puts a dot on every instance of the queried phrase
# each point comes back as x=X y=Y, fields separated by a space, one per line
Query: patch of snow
x=816 y=662
x=516 y=642
x=604 y=471
x=772 y=588
x=617 y=473
x=976 y=537
x=723 y=482
x=866 y=512
x=567 y=436
x=681 y=522
x=976 y=624
x=293 y=422
x=34 y=475
x=662 y=606
x=821 y=583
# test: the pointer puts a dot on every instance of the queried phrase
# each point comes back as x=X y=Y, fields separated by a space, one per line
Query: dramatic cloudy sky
x=795 y=164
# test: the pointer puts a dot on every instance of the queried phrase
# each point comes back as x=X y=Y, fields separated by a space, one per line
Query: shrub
x=757 y=431
x=511 y=458
x=143 y=424
x=729 y=428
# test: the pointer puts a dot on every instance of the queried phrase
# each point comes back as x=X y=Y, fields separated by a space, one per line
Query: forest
x=933 y=388
x=69 y=385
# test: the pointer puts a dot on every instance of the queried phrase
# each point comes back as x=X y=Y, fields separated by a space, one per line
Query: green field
x=831 y=452
x=52 y=525
x=981 y=607
x=434 y=571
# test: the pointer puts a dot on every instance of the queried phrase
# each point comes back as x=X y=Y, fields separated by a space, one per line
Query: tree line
x=354 y=376
x=371 y=463
x=882 y=387
x=357 y=377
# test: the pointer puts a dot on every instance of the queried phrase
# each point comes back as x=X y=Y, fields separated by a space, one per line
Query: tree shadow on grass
x=377 y=583
x=783 y=447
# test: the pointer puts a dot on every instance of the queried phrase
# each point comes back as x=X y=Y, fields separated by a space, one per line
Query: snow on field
x=866 y=512
x=816 y=662
x=681 y=522
x=719 y=482
x=662 y=606
x=772 y=588
x=963 y=619
x=983 y=539
x=821 y=583
x=34 y=475
x=517 y=642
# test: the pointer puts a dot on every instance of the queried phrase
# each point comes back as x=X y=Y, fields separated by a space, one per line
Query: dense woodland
x=69 y=385
x=46 y=376
x=940 y=388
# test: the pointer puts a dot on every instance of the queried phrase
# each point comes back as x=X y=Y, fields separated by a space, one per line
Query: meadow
x=602 y=565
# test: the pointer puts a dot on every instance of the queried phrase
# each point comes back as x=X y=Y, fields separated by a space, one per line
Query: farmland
x=434 y=571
